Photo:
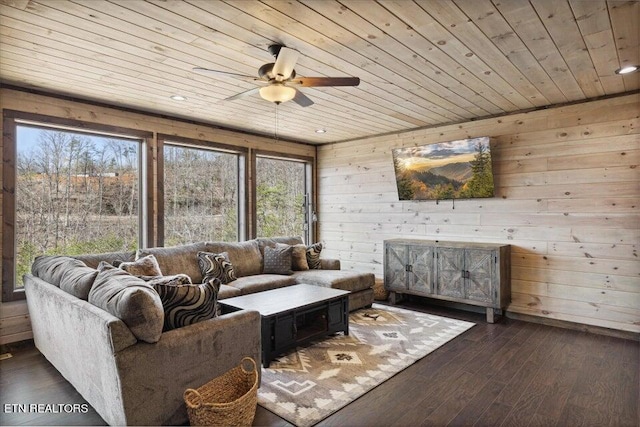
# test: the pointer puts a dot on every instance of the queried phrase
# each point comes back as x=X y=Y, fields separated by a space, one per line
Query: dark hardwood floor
x=511 y=373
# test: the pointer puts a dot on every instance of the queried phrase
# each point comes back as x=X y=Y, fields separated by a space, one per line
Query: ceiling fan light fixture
x=277 y=93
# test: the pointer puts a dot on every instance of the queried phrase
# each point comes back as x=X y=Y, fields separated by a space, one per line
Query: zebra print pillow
x=216 y=266
x=313 y=256
x=187 y=304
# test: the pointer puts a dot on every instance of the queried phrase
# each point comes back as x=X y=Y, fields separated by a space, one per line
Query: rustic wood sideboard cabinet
x=470 y=273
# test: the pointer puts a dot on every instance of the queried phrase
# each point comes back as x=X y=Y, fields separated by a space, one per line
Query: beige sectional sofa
x=129 y=378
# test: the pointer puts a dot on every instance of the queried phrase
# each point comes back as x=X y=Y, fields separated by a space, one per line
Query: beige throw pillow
x=298 y=256
x=145 y=266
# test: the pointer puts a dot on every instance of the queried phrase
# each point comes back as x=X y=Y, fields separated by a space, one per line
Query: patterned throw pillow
x=313 y=256
x=145 y=266
x=216 y=266
x=277 y=260
x=187 y=304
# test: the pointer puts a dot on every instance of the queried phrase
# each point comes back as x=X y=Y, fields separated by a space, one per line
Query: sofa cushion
x=52 y=268
x=227 y=291
x=70 y=274
x=130 y=299
x=313 y=256
x=92 y=260
x=277 y=260
x=186 y=304
x=337 y=279
x=178 y=259
x=145 y=266
x=262 y=282
x=216 y=266
x=245 y=256
x=329 y=264
x=78 y=281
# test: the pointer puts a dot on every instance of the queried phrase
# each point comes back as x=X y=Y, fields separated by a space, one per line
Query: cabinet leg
x=394 y=297
x=490 y=315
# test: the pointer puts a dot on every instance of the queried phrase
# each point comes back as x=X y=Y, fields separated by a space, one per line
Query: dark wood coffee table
x=294 y=315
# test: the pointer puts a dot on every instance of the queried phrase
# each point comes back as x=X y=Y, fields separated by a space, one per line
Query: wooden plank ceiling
x=421 y=63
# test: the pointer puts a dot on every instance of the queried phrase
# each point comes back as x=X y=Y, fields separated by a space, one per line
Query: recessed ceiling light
x=626 y=70
x=178 y=98
x=321 y=131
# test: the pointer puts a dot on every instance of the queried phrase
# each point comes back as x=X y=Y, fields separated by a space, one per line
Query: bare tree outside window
x=280 y=192
x=200 y=195
x=75 y=193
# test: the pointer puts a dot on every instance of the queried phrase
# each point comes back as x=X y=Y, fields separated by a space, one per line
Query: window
x=72 y=187
x=202 y=189
x=75 y=193
x=283 y=197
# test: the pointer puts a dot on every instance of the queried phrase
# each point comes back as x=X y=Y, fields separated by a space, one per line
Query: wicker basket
x=379 y=292
x=228 y=400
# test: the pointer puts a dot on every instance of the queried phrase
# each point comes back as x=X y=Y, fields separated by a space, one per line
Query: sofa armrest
x=80 y=340
x=329 y=264
x=154 y=376
x=62 y=321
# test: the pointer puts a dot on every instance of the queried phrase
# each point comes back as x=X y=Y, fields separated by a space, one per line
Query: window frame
x=11 y=119
x=242 y=178
x=310 y=187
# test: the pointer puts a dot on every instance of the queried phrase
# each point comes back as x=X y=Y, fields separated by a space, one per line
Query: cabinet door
x=395 y=274
x=481 y=267
x=450 y=267
x=335 y=314
x=421 y=271
x=284 y=331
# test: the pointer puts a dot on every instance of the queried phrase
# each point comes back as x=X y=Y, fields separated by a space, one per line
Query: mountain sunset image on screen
x=447 y=170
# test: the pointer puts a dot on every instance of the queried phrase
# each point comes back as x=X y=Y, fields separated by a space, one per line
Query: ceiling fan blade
x=285 y=62
x=324 y=81
x=302 y=99
x=219 y=73
x=243 y=94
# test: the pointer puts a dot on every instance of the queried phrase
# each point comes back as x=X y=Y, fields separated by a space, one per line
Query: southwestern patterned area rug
x=309 y=384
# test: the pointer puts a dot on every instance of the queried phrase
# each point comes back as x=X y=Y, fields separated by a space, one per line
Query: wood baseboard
x=528 y=318
x=575 y=326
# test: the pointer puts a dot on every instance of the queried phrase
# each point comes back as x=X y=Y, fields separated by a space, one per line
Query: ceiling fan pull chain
x=275 y=132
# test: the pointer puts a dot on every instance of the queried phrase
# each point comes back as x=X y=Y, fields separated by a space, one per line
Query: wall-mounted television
x=445 y=170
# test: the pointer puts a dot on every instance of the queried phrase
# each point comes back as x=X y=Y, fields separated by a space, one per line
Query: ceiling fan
x=279 y=81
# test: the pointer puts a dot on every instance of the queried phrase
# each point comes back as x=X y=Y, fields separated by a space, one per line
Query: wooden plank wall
x=14 y=320
x=567 y=194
